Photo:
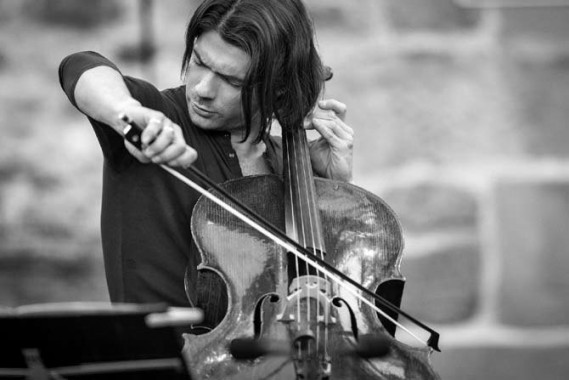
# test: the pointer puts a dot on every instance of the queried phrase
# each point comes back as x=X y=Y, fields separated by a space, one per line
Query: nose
x=206 y=86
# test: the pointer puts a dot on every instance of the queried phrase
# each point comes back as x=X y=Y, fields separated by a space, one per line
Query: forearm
x=101 y=94
x=97 y=88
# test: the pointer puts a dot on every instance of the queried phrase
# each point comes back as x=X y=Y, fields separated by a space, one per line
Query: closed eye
x=234 y=82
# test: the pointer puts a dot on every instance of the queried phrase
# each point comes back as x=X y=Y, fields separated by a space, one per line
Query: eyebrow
x=226 y=77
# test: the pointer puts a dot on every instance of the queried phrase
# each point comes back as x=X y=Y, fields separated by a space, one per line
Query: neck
x=250 y=156
x=248 y=146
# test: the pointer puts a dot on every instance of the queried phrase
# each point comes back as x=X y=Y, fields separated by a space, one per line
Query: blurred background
x=461 y=118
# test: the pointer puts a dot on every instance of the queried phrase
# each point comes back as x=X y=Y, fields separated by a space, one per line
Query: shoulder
x=175 y=105
x=175 y=96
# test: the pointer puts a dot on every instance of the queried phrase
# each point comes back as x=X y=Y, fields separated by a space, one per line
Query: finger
x=187 y=158
x=333 y=142
x=336 y=128
x=323 y=114
x=176 y=153
x=339 y=108
x=325 y=131
x=318 y=114
x=329 y=109
x=170 y=153
x=166 y=136
x=152 y=129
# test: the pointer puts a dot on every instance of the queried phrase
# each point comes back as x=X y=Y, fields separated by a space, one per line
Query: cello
x=299 y=312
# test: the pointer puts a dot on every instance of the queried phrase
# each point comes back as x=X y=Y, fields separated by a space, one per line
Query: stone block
x=75 y=13
x=442 y=287
x=535 y=23
x=430 y=206
x=502 y=363
x=342 y=15
x=441 y=260
x=26 y=278
x=430 y=15
x=532 y=219
x=538 y=81
x=10 y=9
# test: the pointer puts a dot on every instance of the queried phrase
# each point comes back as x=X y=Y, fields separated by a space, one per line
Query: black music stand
x=92 y=342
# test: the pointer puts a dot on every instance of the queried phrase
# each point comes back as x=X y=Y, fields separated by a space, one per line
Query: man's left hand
x=331 y=154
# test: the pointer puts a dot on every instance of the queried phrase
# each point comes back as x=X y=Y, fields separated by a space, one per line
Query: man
x=247 y=65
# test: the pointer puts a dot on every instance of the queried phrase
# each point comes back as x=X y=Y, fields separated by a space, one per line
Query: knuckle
x=191 y=154
x=149 y=152
x=158 y=115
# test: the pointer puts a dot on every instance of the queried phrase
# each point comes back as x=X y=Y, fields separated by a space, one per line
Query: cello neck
x=302 y=217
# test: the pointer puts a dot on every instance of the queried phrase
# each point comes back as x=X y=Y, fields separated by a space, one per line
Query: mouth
x=201 y=110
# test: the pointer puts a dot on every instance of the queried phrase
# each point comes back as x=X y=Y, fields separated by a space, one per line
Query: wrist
x=123 y=108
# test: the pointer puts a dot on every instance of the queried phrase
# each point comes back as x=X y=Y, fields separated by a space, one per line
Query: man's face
x=213 y=83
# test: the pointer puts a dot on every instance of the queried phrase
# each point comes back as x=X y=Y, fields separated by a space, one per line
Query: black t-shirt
x=145 y=218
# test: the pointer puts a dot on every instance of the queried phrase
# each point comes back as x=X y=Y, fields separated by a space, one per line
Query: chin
x=203 y=123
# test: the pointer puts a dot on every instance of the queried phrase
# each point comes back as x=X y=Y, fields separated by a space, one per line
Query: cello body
x=363 y=240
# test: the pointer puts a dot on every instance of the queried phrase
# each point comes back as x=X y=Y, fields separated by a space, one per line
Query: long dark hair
x=286 y=74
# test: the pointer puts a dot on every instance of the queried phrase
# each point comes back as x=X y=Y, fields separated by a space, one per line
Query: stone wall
x=473 y=156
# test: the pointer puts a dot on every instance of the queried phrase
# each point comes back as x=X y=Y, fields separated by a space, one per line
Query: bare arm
x=101 y=94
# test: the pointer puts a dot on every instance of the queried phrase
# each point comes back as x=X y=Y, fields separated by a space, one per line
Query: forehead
x=221 y=56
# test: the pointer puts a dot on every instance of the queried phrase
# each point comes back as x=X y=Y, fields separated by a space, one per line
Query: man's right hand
x=162 y=140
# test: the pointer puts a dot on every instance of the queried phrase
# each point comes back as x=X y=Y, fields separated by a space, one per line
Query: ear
x=328 y=73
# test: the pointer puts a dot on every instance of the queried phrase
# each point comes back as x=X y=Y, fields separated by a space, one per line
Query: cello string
x=300 y=145
x=301 y=186
x=319 y=247
x=294 y=231
x=303 y=239
x=314 y=226
x=296 y=206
